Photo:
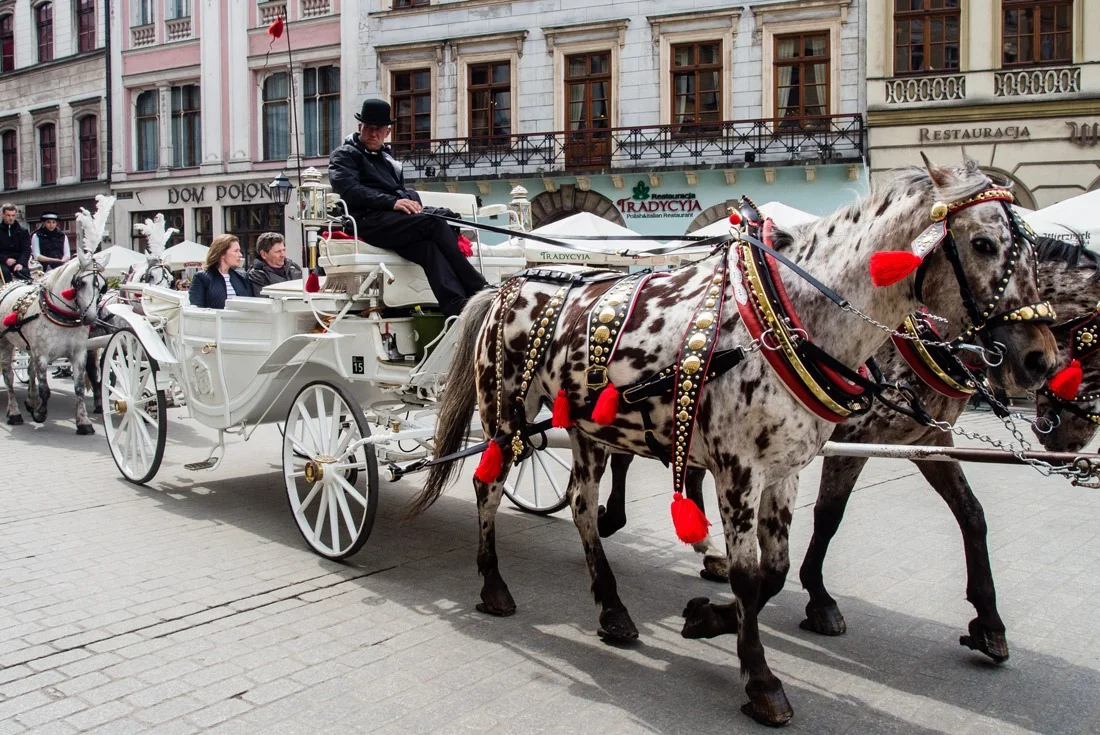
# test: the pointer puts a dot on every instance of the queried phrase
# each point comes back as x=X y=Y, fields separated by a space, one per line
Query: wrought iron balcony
x=824 y=139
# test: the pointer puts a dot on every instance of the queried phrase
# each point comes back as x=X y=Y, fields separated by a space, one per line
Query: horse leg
x=91 y=369
x=7 y=355
x=39 y=388
x=838 y=477
x=612 y=517
x=715 y=565
x=704 y=619
x=495 y=597
x=589 y=463
x=987 y=631
x=79 y=364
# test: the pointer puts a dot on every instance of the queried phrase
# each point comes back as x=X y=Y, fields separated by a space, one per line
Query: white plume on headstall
x=156 y=235
x=94 y=227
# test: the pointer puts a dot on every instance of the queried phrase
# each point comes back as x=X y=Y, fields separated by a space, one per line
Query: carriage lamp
x=313 y=199
x=281 y=189
x=521 y=206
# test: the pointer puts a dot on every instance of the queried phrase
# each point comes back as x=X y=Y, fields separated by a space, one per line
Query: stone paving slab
x=192 y=605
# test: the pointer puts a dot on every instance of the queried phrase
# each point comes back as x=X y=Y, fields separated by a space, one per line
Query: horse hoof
x=824 y=620
x=606 y=524
x=40 y=418
x=617 y=627
x=701 y=621
x=715 y=569
x=990 y=642
x=693 y=605
x=98 y=408
x=769 y=708
x=15 y=420
x=497 y=602
x=85 y=429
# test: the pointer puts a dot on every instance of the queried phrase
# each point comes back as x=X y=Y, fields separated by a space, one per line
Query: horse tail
x=459 y=400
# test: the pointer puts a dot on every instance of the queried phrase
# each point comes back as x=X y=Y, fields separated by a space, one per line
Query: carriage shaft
x=949 y=454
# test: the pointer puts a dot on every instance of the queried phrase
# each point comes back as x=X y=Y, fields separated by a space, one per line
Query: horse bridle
x=62 y=316
x=1084 y=342
x=982 y=319
x=147 y=276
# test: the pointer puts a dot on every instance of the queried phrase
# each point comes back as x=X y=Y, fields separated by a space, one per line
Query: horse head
x=975 y=265
x=81 y=283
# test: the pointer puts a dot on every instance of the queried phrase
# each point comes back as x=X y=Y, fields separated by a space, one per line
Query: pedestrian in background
x=15 y=246
x=49 y=245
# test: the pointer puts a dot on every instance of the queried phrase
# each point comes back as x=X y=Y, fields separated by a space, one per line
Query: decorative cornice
x=506 y=39
x=416 y=48
x=799 y=10
x=979 y=113
x=728 y=17
x=603 y=30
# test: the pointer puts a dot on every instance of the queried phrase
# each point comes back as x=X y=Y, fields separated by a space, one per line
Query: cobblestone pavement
x=192 y=605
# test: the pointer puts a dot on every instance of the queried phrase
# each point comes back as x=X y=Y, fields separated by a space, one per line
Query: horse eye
x=983 y=245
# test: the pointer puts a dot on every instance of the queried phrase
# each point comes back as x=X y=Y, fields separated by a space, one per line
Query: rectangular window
x=10 y=160
x=490 y=95
x=43 y=23
x=204 y=225
x=85 y=26
x=47 y=149
x=7 y=42
x=148 y=135
x=410 y=3
x=588 y=109
x=412 y=104
x=696 y=87
x=1037 y=32
x=276 y=118
x=926 y=36
x=178 y=9
x=321 y=90
x=186 y=126
x=144 y=11
x=801 y=79
x=89 y=148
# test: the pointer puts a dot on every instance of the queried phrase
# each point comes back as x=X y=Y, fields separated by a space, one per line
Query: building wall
x=1037 y=125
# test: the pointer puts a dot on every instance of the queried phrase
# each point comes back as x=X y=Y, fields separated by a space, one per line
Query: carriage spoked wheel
x=321 y=466
x=134 y=412
x=538 y=484
x=21 y=364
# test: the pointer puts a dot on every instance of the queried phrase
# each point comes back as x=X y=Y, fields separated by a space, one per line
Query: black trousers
x=10 y=275
x=433 y=245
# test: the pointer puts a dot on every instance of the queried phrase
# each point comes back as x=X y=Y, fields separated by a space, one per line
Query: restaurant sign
x=950 y=135
x=644 y=205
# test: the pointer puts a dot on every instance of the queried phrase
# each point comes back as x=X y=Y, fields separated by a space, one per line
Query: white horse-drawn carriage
x=351 y=373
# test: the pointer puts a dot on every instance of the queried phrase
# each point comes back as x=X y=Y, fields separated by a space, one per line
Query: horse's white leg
x=7 y=355
x=79 y=360
x=589 y=463
x=715 y=565
x=775 y=532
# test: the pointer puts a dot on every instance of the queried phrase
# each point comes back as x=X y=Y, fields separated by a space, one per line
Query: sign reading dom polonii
x=642 y=204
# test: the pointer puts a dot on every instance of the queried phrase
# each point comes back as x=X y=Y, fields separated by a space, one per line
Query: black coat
x=15 y=242
x=368 y=181
x=261 y=274
x=208 y=287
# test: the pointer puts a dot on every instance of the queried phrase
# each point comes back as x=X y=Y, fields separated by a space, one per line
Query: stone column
x=213 y=92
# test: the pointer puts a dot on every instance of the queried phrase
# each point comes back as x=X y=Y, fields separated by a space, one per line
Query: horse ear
x=971 y=164
x=939 y=175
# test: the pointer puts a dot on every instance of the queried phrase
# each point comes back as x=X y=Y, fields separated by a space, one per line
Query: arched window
x=10 y=152
x=47 y=152
x=43 y=25
x=85 y=26
x=148 y=138
x=89 y=148
x=276 y=117
x=7 y=42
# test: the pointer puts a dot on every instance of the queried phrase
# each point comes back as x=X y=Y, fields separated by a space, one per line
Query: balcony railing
x=144 y=35
x=178 y=29
x=1027 y=82
x=825 y=139
x=269 y=11
x=315 y=8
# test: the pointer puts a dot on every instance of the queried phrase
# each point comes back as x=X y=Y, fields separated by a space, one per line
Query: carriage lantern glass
x=521 y=206
x=281 y=189
x=313 y=199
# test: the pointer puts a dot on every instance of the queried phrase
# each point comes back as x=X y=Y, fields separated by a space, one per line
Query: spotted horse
x=516 y=368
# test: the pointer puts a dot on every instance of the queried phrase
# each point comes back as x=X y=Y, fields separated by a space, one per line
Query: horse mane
x=1069 y=252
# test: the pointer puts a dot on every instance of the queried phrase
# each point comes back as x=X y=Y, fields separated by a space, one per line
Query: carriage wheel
x=134 y=414
x=21 y=364
x=538 y=484
x=334 y=516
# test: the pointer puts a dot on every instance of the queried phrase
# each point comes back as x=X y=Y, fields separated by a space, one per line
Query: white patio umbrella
x=1079 y=214
x=780 y=213
x=597 y=252
x=120 y=260
x=183 y=254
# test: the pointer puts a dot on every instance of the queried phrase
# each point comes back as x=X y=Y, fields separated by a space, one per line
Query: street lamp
x=281 y=189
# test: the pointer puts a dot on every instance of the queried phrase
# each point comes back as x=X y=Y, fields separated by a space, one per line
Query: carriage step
x=207 y=464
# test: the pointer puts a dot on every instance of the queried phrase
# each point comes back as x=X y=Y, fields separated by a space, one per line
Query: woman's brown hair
x=218 y=248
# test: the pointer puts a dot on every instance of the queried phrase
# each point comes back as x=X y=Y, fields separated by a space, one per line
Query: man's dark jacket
x=367 y=181
x=261 y=274
x=15 y=242
x=208 y=287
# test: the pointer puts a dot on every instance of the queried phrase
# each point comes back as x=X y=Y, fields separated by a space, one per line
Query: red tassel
x=313 y=283
x=11 y=319
x=492 y=459
x=68 y=294
x=735 y=218
x=465 y=246
x=890 y=267
x=690 y=523
x=1066 y=383
x=275 y=30
x=561 y=418
x=607 y=405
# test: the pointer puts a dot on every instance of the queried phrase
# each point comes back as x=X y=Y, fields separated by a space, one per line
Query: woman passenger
x=222 y=277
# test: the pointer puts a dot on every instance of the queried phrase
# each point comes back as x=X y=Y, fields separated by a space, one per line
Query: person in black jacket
x=15 y=246
x=272 y=265
x=49 y=245
x=222 y=277
x=389 y=214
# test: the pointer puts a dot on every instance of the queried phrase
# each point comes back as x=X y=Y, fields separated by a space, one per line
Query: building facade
x=53 y=107
x=204 y=118
x=653 y=114
x=1014 y=84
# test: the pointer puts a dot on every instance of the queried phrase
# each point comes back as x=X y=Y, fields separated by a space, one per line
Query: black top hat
x=375 y=112
x=49 y=215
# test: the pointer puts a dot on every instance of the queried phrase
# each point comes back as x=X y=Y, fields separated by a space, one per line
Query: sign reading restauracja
x=644 y=205
x=947 y=135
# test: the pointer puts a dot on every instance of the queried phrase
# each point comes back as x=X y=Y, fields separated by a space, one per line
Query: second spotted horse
x=541 y=339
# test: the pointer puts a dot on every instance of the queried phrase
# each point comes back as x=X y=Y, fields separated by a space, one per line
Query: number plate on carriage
x=357 y=365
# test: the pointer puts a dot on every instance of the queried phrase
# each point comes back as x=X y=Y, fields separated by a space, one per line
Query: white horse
x=49 y=319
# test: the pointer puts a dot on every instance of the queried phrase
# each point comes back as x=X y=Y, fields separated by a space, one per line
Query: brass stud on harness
x=939 y=212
